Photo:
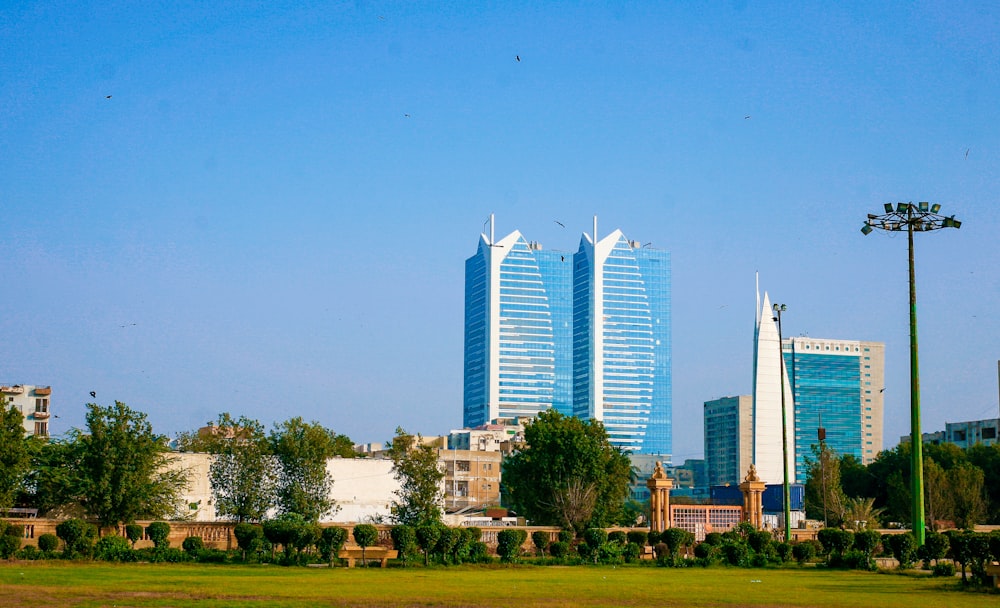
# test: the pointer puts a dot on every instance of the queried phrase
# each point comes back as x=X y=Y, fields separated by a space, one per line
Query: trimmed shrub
x=446 y=542
x=77 y=536
x=479 y=552
x=653 y=538
x=566 y=536
x=475 y=534
x=714 y=538
x=192 y=545
x=159 y=532
x=331 y=541
x=903 y=548
x=946 y=569
x=30 y=552
x=133 y=532
x=366 y=535
x=249 y=538
x=594 y=538
x=638 y=537
x=404 y=541
x=559 y=549
x=610 y=553
x=618 y=536
x=509 y=545
x=114 y=548
x=631 y=552
x=460 y=550
x=427 y=537
x=736 y=553
x=784 y=551
x=48 y=542
x=661 y=550
x=540 y=538
x=703 y=551
x=803 y=552
x=9 y=545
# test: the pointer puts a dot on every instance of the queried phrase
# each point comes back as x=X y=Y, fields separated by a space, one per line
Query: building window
x=462 y=466
x=42 y=429
x=959 y=435
x=989 y=433
x=41 y=405
x=488 y=466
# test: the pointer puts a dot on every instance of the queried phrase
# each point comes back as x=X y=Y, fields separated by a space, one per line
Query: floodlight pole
x=786 y=493
x=923 y=218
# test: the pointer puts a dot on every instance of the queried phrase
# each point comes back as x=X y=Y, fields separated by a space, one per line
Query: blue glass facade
x=517 y=358
x=587 y=336
x=622 y=349
x=827 y=388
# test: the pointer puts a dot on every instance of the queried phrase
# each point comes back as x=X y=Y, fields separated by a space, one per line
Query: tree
x=415 y=466
x=301 y=450
x=966 y=483
x=427 y=537
x=861 y=513
x=15 y=454
x=938 y=500
x=824 y=494
x=987 y=458
x=123 y=467
x=568 y=474
x=53 y=480
x=242 y=474
x=366 y=535
x=404 y=540
x=331 y=540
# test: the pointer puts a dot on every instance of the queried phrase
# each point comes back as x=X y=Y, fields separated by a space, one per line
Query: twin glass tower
x=587 y=334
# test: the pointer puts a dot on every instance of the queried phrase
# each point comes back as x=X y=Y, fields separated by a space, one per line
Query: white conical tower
x=768 y=372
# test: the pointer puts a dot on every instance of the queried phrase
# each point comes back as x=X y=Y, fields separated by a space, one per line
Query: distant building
x=586 y=334
x=837 y=386
x=728 y=427
x=33 y=403
x=964 y=434
x=471 y=479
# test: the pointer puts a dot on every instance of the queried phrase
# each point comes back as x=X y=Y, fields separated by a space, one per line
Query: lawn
x=57 y=583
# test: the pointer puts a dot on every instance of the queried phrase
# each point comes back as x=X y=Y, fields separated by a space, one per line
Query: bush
x=784 y=551
x=479 y=552
x=48 y=542
x=610 y=553
x=618 y=537
x=652 y=538
x=703 y=551
x=566 y=536
x=638 y=537
x=559 y=549
x=632 y=552
x=133 y=532
x=249 y=538
x=946 y=569
x=858 y=560
x=192 y=545
x=661 y=550
x=77 y=536
x=114 y=548
x=427 y=537
x=540 y=538
x=210 y=556
x=9 y=545
x=331 y=541
x=404 y=541
x=803 y=551
x=595 y=537
x=736 y=553
x=29 y=552
x=475 y=534
x=509 y=545
x=366 y=535
x=447 y=540
x=159 y=532
x=714 y=538
x=903 y=548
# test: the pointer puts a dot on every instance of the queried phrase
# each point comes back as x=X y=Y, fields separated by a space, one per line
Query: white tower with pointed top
x=767 y=384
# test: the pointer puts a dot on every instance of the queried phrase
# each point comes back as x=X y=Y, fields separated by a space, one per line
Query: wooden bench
x=382 y=554
x=994 y=571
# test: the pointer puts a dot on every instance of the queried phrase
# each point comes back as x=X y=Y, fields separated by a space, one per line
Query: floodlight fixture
x=924 y=205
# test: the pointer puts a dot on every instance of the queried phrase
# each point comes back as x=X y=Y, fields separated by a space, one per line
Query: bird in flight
x=967 y=153
x=560 y=223
x=747 y=117
x=406 y=115
x=518 y=57
x=107 y=97
x=93 y=394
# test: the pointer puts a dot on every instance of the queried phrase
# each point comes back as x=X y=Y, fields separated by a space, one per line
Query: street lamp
x=913 y=217
x=778 y=309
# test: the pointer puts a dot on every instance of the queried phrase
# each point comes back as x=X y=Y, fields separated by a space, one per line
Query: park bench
x=994 y=571
x=382 y=554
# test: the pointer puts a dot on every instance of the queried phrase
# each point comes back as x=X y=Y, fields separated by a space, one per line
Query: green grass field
x=94 y=584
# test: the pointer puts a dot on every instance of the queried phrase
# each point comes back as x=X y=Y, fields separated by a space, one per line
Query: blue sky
x=271 y=212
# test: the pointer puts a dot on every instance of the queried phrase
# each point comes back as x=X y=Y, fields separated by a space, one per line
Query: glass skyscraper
x=837 y=385
x=587 y=334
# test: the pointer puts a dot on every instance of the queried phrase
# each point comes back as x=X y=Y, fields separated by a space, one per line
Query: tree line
x=961 y=487
x=117 y=470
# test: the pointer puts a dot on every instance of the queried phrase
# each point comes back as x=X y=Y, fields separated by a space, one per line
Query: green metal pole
x=784 y=440
x=916 y=437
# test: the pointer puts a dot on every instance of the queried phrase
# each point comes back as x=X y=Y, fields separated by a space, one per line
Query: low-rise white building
x=33 y=403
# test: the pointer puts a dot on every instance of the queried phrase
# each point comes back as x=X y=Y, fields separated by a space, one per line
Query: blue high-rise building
x=587 y=334
x=518 y=335
x=837 y=386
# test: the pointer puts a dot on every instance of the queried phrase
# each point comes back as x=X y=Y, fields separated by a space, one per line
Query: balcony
x=40 y=415
x=17 y=389
x=43 y=391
